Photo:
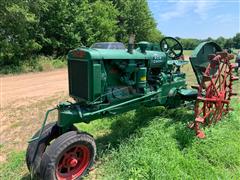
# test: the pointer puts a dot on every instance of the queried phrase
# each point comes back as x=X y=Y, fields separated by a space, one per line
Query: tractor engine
x=104 y=77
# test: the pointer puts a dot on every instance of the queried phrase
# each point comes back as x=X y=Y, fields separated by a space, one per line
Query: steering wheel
x=171 y=47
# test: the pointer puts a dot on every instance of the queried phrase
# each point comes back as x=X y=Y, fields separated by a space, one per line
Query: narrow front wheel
x=36 y=149
x=69 y=157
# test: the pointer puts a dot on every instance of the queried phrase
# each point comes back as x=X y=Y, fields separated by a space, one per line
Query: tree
x=189 y=44
x=209 y=39
x=136 y=18
x=236 y=41
x=154 y=35
x=221 y=41
x=57 y=26
x=16 y=32
x=53 y=27
x=71 y=23
x=103 y=22
x=229 y=43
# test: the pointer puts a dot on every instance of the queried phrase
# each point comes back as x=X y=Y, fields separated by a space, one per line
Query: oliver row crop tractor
x=106 y=82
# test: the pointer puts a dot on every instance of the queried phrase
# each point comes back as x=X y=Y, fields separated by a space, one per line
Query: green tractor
x=109 y=81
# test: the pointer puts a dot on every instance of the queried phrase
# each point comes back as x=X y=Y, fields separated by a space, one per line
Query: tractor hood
x=95 y=54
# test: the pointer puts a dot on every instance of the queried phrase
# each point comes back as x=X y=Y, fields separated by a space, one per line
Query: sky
x=197 y=18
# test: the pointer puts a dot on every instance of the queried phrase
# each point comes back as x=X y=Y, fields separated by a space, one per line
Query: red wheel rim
x=73 y=163
x=214 y=93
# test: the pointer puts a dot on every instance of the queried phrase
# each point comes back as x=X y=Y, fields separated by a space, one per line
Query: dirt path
x=33 y=85
x=24 y=100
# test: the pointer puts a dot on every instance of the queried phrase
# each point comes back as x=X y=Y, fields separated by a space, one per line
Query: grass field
x=155 y=144
x=187 y=52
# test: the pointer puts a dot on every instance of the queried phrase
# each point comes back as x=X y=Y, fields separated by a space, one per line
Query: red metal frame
x=214 y=92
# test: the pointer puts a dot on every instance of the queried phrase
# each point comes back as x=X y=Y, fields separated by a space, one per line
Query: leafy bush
x=39 y=63
x=53 y=27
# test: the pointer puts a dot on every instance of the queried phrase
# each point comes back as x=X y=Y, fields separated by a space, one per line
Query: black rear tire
x=70 y=156
x=50 y=132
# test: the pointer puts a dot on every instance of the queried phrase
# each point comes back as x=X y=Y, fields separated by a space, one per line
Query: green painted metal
x=109 y=54
x=199 y=58
x=142 y=78
x=75 y=113
x=106 y=82
x=43 y=125
x=97 y=80
x=150 y=46
x=109 y=61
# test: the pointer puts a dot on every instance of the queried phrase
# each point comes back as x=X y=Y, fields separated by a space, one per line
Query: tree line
x=226 y=43
x=52 y=27
x=29 y=28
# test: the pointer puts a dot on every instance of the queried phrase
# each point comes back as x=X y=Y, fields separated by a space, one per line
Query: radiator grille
x=78 y=79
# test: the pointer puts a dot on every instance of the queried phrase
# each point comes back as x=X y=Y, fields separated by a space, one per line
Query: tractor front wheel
x=69 y=157
x=50 y=132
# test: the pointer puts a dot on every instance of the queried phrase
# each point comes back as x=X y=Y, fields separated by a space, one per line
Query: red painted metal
x=214 y=92
x=78 y=54
x=73 y=163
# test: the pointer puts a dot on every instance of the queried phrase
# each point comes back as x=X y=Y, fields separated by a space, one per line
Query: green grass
x=155 y=145
x=40 y=63
x=187 y=52
x=15 y=167
x=165 y=149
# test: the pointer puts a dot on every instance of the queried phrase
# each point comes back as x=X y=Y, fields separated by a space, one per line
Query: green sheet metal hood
x=94 y=54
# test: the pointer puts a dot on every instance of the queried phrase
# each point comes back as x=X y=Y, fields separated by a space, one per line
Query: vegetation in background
x=17 y=32
x=190 y=44
x=51 y=28
x=35 y=64
x=135 y=18
x=33 y=28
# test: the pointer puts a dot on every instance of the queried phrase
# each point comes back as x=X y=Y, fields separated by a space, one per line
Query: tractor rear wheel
x=69 y=157
x=214 y=92
x=50 y=132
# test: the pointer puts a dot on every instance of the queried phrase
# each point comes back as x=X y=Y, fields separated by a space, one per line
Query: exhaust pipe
x=131 y=43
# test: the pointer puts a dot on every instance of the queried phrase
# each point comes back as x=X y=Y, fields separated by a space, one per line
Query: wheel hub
x=72 y=162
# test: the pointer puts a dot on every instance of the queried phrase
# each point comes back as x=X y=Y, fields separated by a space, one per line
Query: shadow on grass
x=181 y=118
x=126 y=125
